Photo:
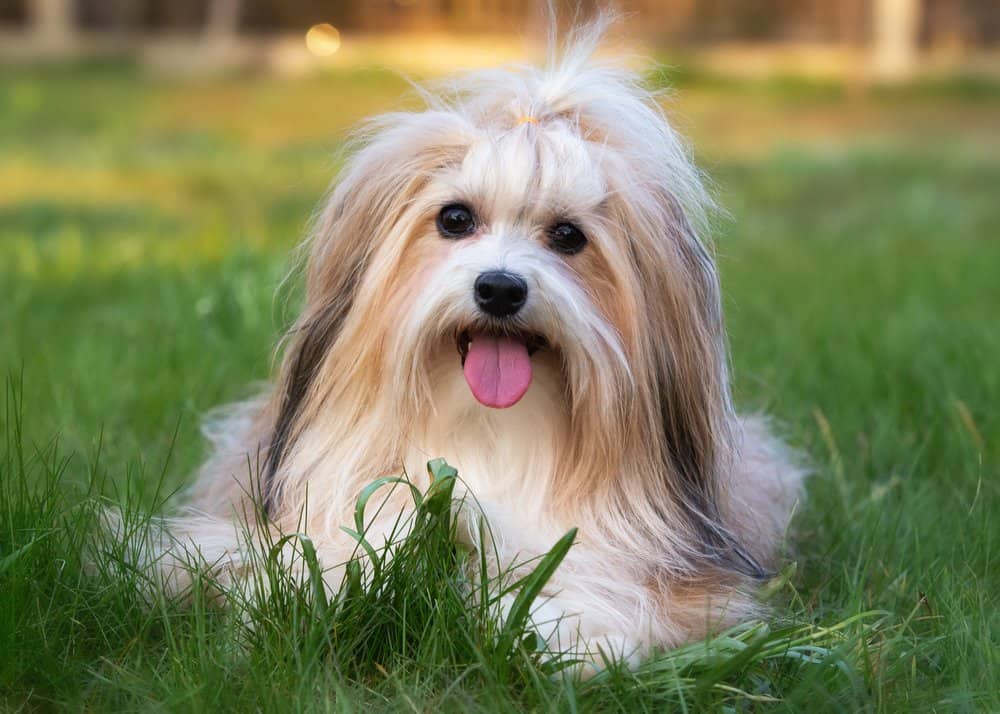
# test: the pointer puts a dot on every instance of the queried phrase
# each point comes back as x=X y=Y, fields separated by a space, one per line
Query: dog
x=513 y=278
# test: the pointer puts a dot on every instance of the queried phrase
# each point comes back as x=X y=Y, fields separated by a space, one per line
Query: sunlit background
x=854 y=40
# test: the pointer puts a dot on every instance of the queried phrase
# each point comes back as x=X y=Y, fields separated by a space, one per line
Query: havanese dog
x=513 y=278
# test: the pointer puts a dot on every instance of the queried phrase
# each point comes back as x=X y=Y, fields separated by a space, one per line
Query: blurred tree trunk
x=222 y=25
x=53 y=26
x=853 y=26
x=895 y=34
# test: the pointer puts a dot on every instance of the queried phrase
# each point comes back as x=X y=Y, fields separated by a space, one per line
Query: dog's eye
x=567 y=238
x=456 y=221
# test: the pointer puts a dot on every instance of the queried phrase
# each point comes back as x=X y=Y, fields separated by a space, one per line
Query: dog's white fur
x=626 y=432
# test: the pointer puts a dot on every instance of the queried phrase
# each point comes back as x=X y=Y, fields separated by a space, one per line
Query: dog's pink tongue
x=498 y=370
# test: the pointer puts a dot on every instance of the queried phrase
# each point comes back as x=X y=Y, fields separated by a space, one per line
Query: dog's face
x=503 y=245
x=503 y=253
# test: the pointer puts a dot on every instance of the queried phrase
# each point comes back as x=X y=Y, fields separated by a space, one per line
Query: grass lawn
x=145 y=226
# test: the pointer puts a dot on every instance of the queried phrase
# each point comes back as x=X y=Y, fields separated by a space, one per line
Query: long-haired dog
x=512 y=279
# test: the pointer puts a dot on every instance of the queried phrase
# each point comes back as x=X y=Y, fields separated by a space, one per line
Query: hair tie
x=525 y=119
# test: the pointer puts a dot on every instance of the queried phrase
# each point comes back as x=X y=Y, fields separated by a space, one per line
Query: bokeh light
x=323 y=40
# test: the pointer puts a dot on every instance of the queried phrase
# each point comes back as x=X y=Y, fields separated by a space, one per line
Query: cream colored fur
x=626 y=432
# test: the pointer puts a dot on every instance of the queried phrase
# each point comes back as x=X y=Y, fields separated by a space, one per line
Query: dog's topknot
x=601 y=100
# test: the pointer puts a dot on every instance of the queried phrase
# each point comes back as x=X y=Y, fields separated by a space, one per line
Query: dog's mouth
x=497 y=365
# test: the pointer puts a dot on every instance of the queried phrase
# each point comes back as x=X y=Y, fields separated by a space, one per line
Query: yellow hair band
x=525 y=119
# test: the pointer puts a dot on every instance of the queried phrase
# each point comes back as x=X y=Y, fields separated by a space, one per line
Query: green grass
x=145 y=226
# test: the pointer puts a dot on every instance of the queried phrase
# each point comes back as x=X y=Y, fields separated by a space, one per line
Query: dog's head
x=528 y=217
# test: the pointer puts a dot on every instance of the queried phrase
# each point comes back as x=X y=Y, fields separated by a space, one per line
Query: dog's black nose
x=500 y=294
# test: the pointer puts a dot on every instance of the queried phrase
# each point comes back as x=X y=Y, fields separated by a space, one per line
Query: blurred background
x=160 y=158
x=856 y=40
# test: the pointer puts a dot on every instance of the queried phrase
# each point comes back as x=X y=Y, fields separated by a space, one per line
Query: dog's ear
x=374 y=188
x=693 y=391
x=336 y=262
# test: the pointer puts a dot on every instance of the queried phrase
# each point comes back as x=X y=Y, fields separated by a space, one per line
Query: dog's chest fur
x=507 y=459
